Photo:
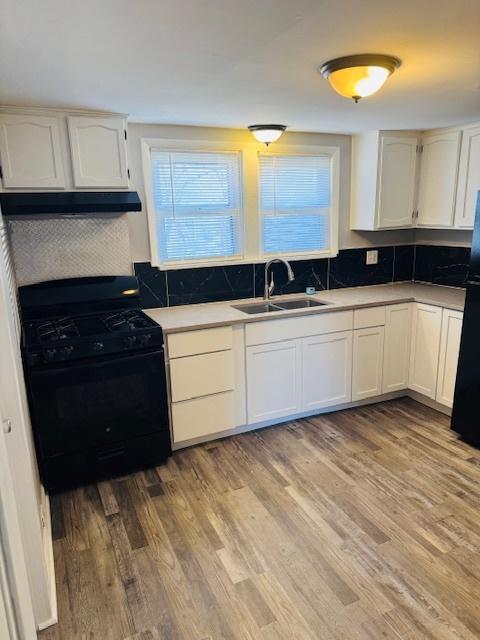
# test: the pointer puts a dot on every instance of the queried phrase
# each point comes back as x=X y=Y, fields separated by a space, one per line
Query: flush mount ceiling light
x=267 y=133
x=359 y=76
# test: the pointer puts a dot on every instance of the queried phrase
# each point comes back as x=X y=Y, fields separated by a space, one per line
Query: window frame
x=333 y=153
x=250 y=225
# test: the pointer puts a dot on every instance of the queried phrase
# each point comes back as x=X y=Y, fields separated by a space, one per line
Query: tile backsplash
x=442 y=264
x=56 y=247
x=422 y=263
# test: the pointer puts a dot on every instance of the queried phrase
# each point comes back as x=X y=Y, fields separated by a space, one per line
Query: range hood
x=69 y=203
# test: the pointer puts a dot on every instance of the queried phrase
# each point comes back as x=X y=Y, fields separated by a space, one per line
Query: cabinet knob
x=7 y=426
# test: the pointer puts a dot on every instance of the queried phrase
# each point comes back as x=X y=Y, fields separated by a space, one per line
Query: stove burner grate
x=60 y=329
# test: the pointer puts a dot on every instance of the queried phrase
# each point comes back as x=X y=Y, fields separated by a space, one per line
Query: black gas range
x=96 y=379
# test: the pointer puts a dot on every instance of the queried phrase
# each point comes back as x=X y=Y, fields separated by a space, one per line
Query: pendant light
x=359 y=76
x=267 y=133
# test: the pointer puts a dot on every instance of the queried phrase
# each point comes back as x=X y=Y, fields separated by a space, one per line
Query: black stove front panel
x=83 y=405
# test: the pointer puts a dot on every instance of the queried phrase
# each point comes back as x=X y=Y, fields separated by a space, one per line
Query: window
x=295 y=204
x=211 y=202
x=197 y=202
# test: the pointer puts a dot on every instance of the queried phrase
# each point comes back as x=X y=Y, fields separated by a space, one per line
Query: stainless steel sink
x=257 y=307
x=300 y=303
x=285 y=305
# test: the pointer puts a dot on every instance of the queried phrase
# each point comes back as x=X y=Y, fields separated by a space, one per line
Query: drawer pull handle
x=110 y=454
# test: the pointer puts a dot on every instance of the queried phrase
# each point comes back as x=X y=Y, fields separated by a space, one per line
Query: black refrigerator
x=466 y=404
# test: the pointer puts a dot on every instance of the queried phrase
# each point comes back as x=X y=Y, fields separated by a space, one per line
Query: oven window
x=98 y=399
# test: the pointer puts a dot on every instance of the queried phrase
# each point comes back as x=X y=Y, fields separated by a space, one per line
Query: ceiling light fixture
x=359 y=76
x=267 y=133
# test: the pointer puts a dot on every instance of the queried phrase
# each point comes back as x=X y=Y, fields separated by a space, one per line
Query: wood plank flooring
x=355 y=525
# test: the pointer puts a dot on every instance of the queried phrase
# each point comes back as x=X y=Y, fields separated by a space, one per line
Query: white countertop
x=214 y=314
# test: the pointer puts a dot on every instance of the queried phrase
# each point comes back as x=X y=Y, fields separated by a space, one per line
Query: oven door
x=99 y=401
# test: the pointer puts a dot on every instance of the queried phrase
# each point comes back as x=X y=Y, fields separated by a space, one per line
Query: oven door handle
x=94 y=362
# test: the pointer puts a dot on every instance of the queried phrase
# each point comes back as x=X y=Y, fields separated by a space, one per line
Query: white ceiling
x=239 y=62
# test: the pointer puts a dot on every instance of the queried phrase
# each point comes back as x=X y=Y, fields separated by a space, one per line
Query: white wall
x=30 y=497
x=347 y=238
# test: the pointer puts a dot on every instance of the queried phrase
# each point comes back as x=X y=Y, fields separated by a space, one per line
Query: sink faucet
x=269 y=287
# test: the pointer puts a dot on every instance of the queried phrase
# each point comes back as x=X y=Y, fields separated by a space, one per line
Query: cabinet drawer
x=203 y=416
x=201 y=375
x=290 y=328
x=190 y=343
x=370 y=317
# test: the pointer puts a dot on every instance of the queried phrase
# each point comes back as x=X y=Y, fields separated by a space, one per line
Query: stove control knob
x=145 y=339
x=66 y=352
x=34 y=358
x=98 y=346
x=130 y=341
x=49 y=355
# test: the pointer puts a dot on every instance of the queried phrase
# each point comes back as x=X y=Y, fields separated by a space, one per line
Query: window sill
x=170 y=266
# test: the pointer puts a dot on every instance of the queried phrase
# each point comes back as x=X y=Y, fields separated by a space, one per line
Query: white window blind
x=197 y=204
x=295 y=201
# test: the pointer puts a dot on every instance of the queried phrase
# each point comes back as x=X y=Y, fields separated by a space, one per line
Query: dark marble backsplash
x=441 y=265
x=210 y=284
x=308 y=273
x=349 y=268
x=423 y=263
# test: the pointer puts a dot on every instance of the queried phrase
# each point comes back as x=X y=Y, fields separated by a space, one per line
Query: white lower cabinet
x=226 y=377
x=449 y=351
x=273 y=380
x=367 y=362
x=425 y=346
x=326 y=370
x=203 y=416
x=396 y=353
x=207 y=381
x=202 y=375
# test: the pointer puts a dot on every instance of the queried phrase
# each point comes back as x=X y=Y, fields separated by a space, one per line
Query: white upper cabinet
x=99 y=152
x=438 y=179
x=384 y=169
x=468 y=179
x=397 y=177
x=31 y=152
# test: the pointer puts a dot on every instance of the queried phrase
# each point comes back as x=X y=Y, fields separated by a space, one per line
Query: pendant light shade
x=267 y=133
x=359 y=76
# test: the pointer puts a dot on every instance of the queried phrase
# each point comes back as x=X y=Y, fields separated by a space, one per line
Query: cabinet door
x=396 y=353
x=426 y=326
x=326 y=370
x=99 y=152
x=438 y=179
x=397 y=178
x=31 y=152
x=449 y=350
x=468 y=179
x=367 y=362
x=273 y=380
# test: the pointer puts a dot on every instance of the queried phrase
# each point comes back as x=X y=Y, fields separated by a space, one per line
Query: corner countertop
x=215 y=314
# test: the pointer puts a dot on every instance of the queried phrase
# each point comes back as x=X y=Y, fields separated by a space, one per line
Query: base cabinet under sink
x=273 y=380
x=326 y=370
x=228 y=378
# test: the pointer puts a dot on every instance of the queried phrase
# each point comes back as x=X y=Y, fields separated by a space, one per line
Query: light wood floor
x=358 y=525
